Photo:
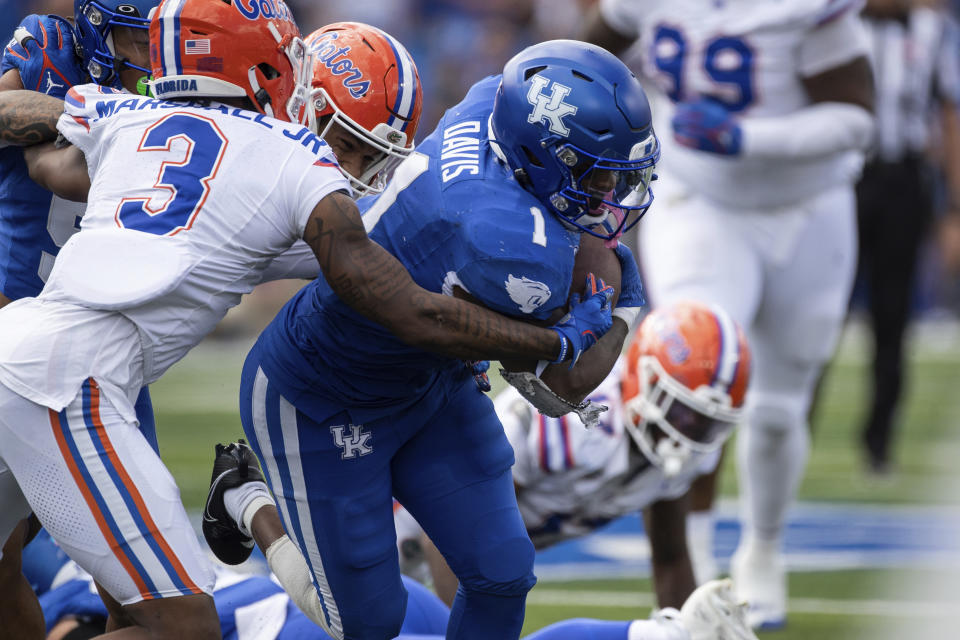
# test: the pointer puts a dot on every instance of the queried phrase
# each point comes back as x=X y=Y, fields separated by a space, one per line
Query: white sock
x=771 y=463
x=663 y=625
x=700 y=532
x=296 y=578
x=237 y=500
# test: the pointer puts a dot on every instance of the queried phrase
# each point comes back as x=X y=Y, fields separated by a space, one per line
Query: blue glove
x=708 y=126
x=479 y=370
x=587 y=321
x=42 y=51
x=631 y=287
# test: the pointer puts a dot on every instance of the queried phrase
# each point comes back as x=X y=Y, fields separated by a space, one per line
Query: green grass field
x=196 y=407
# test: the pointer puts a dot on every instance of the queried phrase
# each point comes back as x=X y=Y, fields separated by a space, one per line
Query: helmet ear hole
x=532 y=71
x=531 y=158
x=268 y=71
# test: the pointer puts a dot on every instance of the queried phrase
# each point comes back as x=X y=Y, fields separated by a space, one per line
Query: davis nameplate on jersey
x=528 y=294
x=551 y=108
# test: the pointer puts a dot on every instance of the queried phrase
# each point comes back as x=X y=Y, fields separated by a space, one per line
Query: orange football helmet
x=231 y=48
x=365 y=81
x=685 y=384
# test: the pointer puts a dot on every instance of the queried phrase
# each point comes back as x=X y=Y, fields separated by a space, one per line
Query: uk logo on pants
x=355 y=444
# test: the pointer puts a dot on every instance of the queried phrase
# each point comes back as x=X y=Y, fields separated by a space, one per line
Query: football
x=594 y=257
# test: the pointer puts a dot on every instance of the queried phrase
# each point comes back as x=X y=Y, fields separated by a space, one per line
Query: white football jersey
x=187 y=206
x=752 y=55
x=572 y=480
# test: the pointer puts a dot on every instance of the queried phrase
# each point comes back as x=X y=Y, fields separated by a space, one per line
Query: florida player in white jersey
x=50 y=54
x=181 y=221
x=674 y=400
x=766 y=108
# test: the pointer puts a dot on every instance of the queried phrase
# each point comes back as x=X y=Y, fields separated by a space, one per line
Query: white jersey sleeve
x=308 y=185
x=834 y=41
x=298 y=262
x=81 y=123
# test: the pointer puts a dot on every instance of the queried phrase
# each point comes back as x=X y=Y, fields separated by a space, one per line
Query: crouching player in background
x=673 y=403
x=255 y=606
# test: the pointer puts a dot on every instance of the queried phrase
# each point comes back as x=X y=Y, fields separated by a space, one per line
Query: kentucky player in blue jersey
x=344 y=416
x=48 y=54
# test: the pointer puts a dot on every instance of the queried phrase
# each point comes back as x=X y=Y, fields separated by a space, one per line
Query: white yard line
x=630 y=600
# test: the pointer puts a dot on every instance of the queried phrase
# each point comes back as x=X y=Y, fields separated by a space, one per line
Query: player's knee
x=176 y=618
x=777 y=414
x=375 y=620
x=504 y=568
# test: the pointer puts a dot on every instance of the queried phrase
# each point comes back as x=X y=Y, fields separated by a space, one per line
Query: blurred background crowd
x=457 y=42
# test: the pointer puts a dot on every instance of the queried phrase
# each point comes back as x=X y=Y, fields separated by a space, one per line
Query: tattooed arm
x=374 y=283
x=28 y=117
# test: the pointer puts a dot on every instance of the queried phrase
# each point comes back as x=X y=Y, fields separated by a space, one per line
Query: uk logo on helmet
x=551 y=107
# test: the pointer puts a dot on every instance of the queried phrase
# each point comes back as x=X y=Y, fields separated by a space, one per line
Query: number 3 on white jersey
x=186 y=175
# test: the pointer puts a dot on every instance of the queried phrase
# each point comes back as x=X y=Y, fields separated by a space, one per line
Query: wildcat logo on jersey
x=355 y=445
x=551 y=108
x=528 y=294
x=253 y=9
x=337 y=61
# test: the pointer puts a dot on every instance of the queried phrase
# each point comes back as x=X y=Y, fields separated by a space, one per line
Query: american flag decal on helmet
x=196 y=47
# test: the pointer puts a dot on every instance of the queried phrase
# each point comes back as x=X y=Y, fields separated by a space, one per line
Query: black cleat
x=235 y=464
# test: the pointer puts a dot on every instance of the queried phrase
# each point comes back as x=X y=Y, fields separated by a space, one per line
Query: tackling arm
x=665 y=524
x=375 y=284
x=28 y=117
x=60 y=170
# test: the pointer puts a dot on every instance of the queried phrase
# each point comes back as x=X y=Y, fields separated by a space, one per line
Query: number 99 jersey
x=751 y=56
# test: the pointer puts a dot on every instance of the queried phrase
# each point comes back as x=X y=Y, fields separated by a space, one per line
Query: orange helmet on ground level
x=686 y=381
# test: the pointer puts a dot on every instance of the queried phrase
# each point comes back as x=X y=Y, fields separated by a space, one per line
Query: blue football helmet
x=95 y=21
x=574 y=125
